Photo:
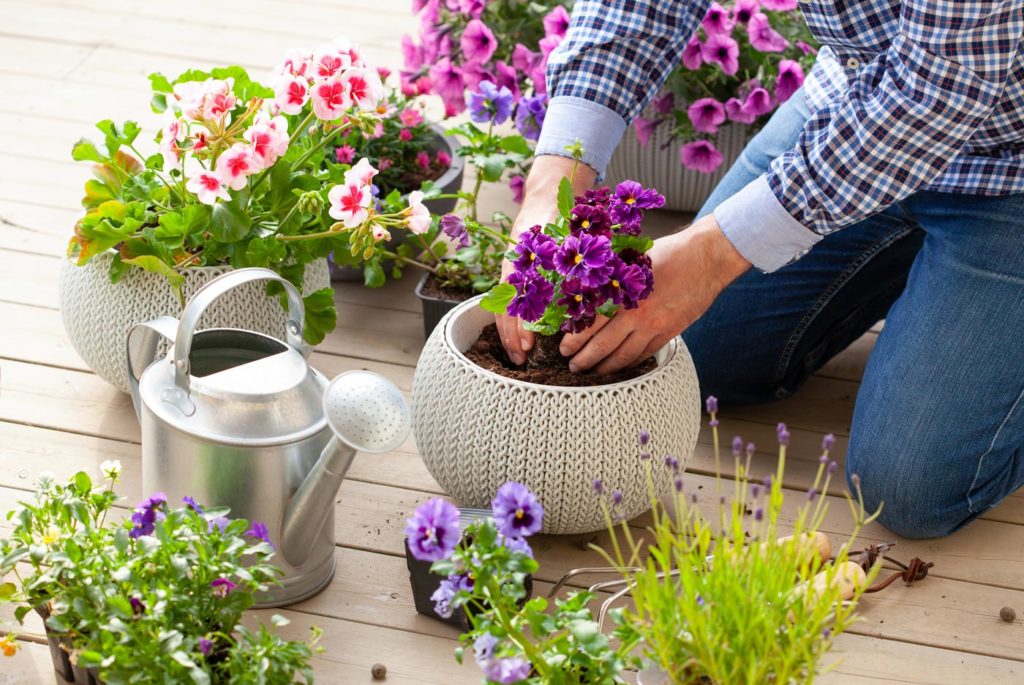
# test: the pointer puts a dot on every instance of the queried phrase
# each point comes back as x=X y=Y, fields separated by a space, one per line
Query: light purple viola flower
x=782 y=433
x=433 y=530
x=222 y=587
x=490 y=103
x=507 y=671
x=483 y=649
x=533 y=295
x=220 y=524
x=205 y=646
x=517 y=511
x=146 y=515
x=455 y=228
x=519 y=545
x=717 y=20
x=735 y=111
x=580 y=302
x=530 y=116
x=693 y=54
x=585 y=257
x=191 y=504
x=259 y=531
x=723 y=51
x=442 y=599
x=763 y=37
x=644 y=128
x=706 y=114
x=743 y=10
x=517 y=184
x=556 y=22
x=535 y=249
x=478 y=42
x=789 y=80
x=701 y=155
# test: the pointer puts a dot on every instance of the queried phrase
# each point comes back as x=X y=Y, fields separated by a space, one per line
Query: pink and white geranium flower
x=296 y=63
x=268 y=139
x=172 y=133
x=364 y=87
x=235 y=165
x=417 y=216
x=210 y=99
x=291 y=93
x=360 y=174
x=330 y=98
x=350 y=203
x=207 y=187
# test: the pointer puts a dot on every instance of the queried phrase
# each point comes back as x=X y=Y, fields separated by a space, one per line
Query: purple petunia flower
x=478 y=42
x=442 y=598
x=743 y=10
x=556 y=22
x=205 y=646
x=455 y=228
x=533 y=295
x=519 y=545
x=789 y=80
x=530 y=116
x=222 y=587
x=580 y=301
x=146 y=515
x=779 y=5
x=627 y=284
x=663 y=104
x=693 y=54
x=507 y=671
x=517 y=511
x=448 y=83
x=763 y=37
x=717 y=20
x=723 y=51
x=490 y=103
x=706 y=114
x=759 y=101
x=586 y=258
x=644 y=128
x=517 y=184
x=592 y=219
x=432 y=532
x=259 y=530
x=735 y=111
x=535 y=249
x=701 y=155
x=191 y=504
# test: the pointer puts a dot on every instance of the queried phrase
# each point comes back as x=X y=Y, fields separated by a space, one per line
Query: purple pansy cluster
x=595 y=268
x=146 y=515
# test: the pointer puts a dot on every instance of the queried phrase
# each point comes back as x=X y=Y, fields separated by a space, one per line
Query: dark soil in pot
x=545 y=365
x=437 y=301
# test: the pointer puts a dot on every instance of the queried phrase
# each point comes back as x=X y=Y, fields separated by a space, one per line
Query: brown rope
x=910 y=573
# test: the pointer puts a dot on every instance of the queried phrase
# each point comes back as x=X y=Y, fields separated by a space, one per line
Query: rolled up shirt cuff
x=761 y=229
x=569 y=118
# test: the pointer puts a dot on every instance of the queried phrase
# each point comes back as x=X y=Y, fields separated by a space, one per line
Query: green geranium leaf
x=153 y=264
x=229 y=222
x=265 y=251
x=191 y=75
x=373 y=274
x=85 y=151
x=159 y=83
x=321 y=316
x=491 y=167
x=497 y=299
x=7 y=591
x=516 y=144
x=566 y=198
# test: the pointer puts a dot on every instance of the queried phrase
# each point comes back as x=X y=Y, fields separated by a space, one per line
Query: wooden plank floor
x=69 y=63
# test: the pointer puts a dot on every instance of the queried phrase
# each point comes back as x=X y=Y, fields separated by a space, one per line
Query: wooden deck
x=69 y=63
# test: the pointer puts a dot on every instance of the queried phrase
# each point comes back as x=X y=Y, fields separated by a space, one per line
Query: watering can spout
x=367 y=413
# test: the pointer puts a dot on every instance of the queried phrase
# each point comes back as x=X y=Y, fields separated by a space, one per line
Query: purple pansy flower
x=138 y=607
x=220 y=523
x=723 y=51
x=191 y=504
x=517 y=511
x=490 y=103
x=478 y=42
x=519 y=545
x=433 y=530
x=146 y=514
x=530 y=116
x=442 y=599
x=535 y=249
x=507 y=671
x=205 y=646
x=586 y=258
x=455 y=228
x=790 y=78
x=706 y=114
x=599 y=197
x=627 y=284
x=222 y=587
x=630 y=200
x=701 y=155
x=259 y=530
x=717 y=20
x=592 y=219
x=580 y=301
x=483 y=648
x=533 y=295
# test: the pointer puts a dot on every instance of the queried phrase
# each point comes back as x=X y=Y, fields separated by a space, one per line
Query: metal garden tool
x=239 y=419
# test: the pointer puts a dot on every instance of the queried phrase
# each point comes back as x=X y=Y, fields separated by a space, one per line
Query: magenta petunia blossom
x=663 y=104
x=432 y=532
x=701 y=155
x=525 y=59
x=474 y=73
x=759 y=101
x=644 y=128
x=717 y=20
x=763 y=37
x=735 y=112
x=806 y=48
x=779 y=5
x=743 y=10
x=472 y=8
x=556 y=22
x=706 y=114
x=517 y=184
x=446 y=79
x=533 y=295
x=505 y=75
x=693 y=54
x=517 y=511
x=790 y=78
x=585 y=257
x=723 y=51
x=478 y=42
x=535 y=249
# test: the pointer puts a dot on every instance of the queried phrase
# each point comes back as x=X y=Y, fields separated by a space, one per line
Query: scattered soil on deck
x=488 y=353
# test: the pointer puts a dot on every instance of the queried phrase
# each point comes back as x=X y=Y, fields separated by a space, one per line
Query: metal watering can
x=239 y=419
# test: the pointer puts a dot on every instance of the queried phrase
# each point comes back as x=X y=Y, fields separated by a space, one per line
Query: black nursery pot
x=434 y=308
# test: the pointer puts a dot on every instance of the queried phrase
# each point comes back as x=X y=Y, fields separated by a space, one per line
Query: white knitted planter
x=477 y=430
x=658 y=165
x=97 y=313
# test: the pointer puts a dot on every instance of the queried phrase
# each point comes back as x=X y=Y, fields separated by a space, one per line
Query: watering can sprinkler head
x=367 y=413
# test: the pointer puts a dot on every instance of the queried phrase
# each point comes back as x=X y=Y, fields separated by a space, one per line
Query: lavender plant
x=514 y=640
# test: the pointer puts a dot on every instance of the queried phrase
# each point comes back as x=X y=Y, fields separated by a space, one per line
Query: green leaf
x=640 y=243
x=7 y=591
x=566 y=198
x=373 y=274
x=491 y=166
x=265 y=251
x=120 y=606
x=90 y=658
x=83 y=484
x=159 y=83
x=153 y=264
x=85 y=151
x=516 y=144
x=497 y=299
x=321 y=316
x=229 y=223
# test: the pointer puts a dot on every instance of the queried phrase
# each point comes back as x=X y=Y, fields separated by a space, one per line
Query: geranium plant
x=728 y=596
x=155 y=597
x=239 y=177
x=513 y=639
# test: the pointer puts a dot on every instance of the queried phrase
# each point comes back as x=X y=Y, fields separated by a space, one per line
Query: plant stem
x=387 y=254
x=494 y=600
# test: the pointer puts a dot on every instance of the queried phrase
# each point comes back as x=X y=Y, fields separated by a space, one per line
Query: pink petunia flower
x=525 y=59
x=410 y=116
x=478 y=42
x=350 y=203
x=735 y=112
x=644 y=128
x=208 y=188
x=507 y=76
x=663 y=104
x=759 y=101
x=330 y=98
x=806 y=48
x=291 y=94
x=779 y=5
x=417 y=216
x=701 y=156
x=723 y=51
x=743 y=10
x=364 y=87
x=763 y=37
x=706 y=114
x=412 y=54
x=473 y=74
x=361 y=174
x=472 y=8
x=693 y=54
x=345 y=154
x=517 y=183
x=235 y=165
x=556 y=22
x=790 y=78
x=446 y=80
x=385 y=163
x=717 y=20
x=548 y=44
x=383 y=73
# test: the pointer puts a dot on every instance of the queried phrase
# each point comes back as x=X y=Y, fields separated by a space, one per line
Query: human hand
x=690 y=269
x=540 y=207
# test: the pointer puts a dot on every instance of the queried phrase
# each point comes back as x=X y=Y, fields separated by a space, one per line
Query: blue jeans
x=938 y=428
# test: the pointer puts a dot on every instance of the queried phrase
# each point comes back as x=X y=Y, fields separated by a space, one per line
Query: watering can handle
x=205 y=296
x=142 y=342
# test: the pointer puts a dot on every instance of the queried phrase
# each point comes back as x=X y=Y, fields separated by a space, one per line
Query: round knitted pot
x=97 y=313
x=658 y=165
x=477 y=430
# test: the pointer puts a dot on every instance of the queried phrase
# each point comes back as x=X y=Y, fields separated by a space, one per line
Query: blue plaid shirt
x=905 y=96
